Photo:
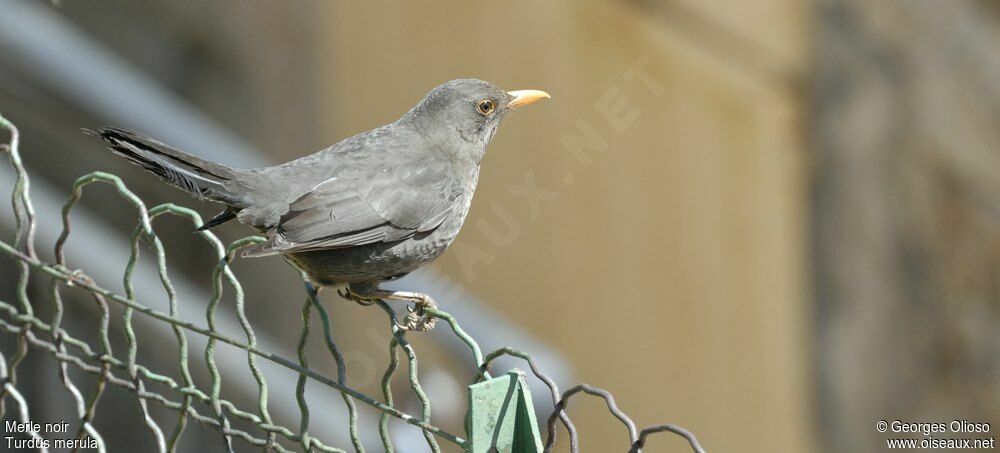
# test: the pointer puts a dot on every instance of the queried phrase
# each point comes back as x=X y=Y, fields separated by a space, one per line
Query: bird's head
x=468 y=110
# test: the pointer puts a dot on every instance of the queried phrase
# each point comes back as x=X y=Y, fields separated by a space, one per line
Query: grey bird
x=369 y=209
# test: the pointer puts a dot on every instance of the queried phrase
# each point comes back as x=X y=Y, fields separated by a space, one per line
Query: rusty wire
x=49 y=337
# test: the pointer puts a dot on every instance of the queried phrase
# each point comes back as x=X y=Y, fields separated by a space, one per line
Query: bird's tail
x=199 y=177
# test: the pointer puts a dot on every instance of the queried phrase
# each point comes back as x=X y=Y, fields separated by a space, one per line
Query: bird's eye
x=485 y=106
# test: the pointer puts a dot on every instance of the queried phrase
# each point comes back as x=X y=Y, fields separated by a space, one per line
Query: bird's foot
x=346 y=293
x=417 y=320
x=77 y=277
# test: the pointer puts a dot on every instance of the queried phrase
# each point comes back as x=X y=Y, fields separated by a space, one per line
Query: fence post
x=502 y=417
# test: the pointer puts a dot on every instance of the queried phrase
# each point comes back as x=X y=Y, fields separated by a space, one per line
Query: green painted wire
x=103 y=327
x=201 y=396
x=224 y=256
x=85 y=348
x=313 y=296
x=63 y=369
x=383 y=422
x=22 y=405
x=116 y=182
x=145 y=227
x=411 y=356
x=477 y=353
x=57 y=333
x=182 y=344
x=19 y=355
x=24 y=212
x=238 y=297
x=132 y=343
x=126 y=384
x=24 y=234
x=213 y=369
x=221 y=267
x=300 y=385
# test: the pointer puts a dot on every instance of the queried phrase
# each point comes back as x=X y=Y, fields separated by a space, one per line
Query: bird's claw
x=78 y=277
x=418 y=320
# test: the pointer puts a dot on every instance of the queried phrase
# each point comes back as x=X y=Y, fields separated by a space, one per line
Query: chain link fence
x=121 y=369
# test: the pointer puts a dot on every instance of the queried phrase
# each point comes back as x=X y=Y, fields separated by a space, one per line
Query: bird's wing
x=385 y=205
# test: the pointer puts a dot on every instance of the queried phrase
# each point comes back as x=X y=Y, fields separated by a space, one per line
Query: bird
x=366 y=210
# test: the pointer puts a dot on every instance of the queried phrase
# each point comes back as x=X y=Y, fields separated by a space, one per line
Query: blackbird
x=368 y=209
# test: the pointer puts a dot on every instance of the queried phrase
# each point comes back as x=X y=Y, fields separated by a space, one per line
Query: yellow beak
x=525 y=97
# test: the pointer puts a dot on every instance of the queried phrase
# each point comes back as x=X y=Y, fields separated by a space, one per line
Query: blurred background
x=773 y=223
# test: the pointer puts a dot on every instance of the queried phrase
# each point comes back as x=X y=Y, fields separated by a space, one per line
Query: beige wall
x=671 y=269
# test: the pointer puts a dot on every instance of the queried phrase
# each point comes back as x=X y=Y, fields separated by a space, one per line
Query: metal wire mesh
x=48 y=337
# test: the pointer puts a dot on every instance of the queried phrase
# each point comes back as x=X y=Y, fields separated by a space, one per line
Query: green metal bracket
x=501 y=416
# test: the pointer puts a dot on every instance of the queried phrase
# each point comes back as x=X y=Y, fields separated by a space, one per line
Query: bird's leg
x=417 y=319
x=346 y=293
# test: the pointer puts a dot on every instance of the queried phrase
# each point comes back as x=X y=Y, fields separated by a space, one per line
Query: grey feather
x=372 y=207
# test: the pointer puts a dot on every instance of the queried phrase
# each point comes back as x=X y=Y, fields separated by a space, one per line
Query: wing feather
x=386 y=205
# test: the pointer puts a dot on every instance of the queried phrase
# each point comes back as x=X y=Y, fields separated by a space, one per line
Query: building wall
x=906 y=221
